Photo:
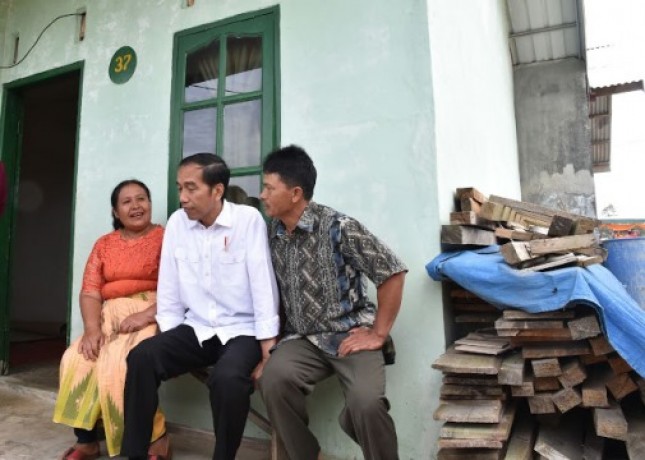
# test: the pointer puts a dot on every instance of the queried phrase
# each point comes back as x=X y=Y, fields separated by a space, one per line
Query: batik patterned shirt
x=321 y=270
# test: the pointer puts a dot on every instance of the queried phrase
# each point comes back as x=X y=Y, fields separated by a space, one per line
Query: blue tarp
x=485 y=273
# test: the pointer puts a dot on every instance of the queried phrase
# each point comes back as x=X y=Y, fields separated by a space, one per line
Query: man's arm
x=389 y=295
x=169 y=312
x=264 y=291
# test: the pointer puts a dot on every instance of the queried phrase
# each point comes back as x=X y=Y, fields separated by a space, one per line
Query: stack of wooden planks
x=547 y=383
x=532 y=237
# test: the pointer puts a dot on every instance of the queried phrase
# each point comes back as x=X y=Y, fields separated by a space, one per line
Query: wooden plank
x=600 y=345
x=511 y=370
x=541 y=403
x=618 y=364
x=460 y=235
x=470 y=218
x=490 y=431
x=553 y=261
x=491 y=211
x=585 y=261
x=502 y=324
x=573 y=373
x=560 y=442
x=546 y=367
x=635 y=443
x=522 y=440
x=585 y=225
x=590 y=359
x=471 y=192
x=468 y=204
x=524 y=390
x=546 y=384
x=566 y=399
x=514 y=314
x=469 y=391
x=513 y=235
x=593 y=446
x=594 y=391
x=480 y=380
x=474 y=307
x=584 y=327
x=536 y=335
x=469 y=454
x=621 y=385
x=486 y=318
x=516 y=252
x=561 y=225
x=536 y=209
x=563 y=243
x=467 y=363
x=478 y=349
x=555 y=349
x=610 y=422
x=469 y=443
x=482 y=411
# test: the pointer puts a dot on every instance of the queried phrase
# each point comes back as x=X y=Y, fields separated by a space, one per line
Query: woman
x=118 y=306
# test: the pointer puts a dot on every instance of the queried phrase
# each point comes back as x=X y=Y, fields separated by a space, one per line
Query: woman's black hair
x=114 y=198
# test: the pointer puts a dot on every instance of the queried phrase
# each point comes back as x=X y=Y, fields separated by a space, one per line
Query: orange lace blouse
x=119 y=268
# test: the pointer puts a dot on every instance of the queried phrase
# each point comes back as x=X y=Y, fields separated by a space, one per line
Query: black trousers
x=177 y=352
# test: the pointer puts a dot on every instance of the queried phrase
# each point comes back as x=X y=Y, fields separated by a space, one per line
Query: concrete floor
x=27 y=433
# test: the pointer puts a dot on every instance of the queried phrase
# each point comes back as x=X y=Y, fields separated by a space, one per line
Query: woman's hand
x=135 y=322
x=91 y=344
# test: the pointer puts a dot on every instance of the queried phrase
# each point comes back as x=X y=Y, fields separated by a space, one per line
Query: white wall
x=619 y=187
x=473 y=92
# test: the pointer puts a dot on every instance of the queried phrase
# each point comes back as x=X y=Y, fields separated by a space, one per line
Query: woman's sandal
x=74 y=453
x=160 y=449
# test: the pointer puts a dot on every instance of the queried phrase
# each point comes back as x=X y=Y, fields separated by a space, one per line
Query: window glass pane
x=243 y=64
x=199 y=131
x=202 y=73
x=242 y=134
x=244 y=190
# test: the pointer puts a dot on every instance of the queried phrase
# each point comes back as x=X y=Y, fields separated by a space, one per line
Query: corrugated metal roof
x=543 y=30
x=600 y=117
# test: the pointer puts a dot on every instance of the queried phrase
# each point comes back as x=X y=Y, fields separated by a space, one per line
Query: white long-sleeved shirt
x=218 y=280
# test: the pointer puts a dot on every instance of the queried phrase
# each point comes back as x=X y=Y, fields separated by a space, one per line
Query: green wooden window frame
x=263 y=23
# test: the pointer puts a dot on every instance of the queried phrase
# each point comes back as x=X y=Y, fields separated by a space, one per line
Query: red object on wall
x=3 y=188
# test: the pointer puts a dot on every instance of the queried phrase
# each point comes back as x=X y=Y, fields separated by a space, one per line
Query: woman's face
x=133 y=208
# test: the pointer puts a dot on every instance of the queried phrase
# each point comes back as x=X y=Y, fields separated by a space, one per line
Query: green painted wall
x=356 y=92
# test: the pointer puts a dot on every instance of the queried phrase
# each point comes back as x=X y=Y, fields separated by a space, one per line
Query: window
x=225 y=99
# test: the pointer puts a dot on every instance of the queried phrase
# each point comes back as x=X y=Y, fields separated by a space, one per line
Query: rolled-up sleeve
x=170 y=311
x=264 y=290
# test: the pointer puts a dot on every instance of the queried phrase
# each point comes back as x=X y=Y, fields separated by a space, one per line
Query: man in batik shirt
x=321 y=259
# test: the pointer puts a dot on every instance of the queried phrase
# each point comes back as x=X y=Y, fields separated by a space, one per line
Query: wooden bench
x=277 y=449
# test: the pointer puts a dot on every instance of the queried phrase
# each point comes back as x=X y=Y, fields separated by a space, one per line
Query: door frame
x=11 y=123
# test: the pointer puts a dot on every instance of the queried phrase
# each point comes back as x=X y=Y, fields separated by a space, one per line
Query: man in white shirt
x=217 y=304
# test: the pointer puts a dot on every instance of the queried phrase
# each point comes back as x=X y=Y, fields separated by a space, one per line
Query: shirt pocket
x=232 y=267
x=187 y=265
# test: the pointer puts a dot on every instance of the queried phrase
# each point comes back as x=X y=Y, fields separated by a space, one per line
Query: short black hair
x=114 y=198
x=295 y=168
x=214 y=169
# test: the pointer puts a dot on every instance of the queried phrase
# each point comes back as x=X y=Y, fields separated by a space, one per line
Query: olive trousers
x=290 y=375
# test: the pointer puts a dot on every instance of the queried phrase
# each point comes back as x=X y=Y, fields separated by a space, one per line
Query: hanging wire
x=38 y=38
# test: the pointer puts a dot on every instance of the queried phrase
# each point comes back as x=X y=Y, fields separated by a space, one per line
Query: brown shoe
x=160 y=449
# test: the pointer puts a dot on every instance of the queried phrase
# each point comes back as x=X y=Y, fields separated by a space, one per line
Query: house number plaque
x=122 y=65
